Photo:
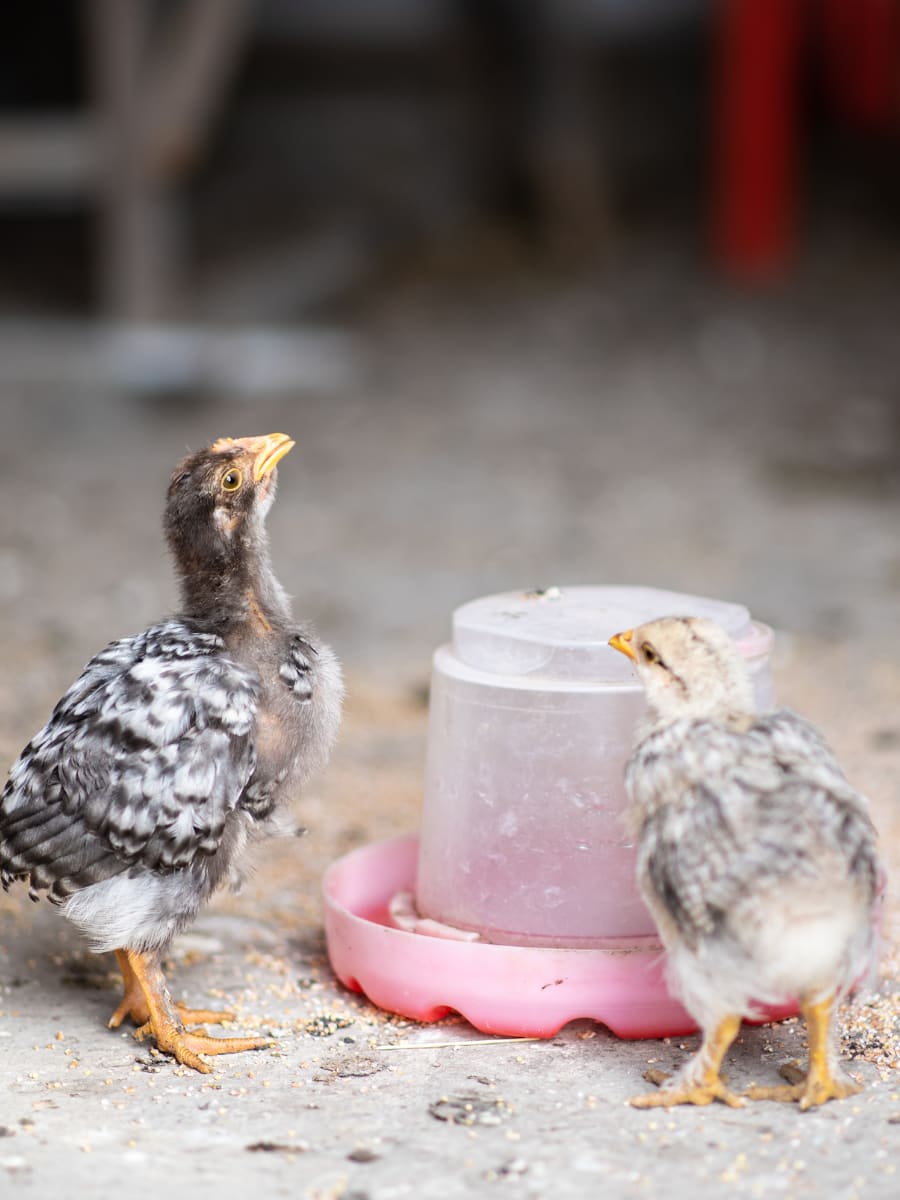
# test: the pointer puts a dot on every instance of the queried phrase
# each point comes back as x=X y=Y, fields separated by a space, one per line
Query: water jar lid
x=562 y=632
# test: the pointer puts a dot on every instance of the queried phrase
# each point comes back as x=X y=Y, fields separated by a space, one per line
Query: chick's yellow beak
x=269 y=450
x=622 y=643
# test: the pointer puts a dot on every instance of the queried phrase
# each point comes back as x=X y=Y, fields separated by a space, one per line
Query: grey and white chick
x=176 y=747
x=756 y=857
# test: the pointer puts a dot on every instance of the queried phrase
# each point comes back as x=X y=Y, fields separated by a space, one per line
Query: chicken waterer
x=518 y=907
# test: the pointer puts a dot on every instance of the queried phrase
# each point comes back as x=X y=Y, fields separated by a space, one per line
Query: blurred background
x=547 y=292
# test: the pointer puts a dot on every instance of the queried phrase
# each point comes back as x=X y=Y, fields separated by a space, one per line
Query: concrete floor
x=645 y=425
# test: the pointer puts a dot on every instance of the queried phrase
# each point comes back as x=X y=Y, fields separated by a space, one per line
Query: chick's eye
x=231 y=480
x=648 y=654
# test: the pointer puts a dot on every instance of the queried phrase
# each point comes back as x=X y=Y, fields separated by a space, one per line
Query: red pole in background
x=862 y=49
x=756 y=136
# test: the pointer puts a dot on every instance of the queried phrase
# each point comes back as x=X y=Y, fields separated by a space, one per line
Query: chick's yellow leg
x=699 y=1082
x=163 y=1022
x=134 y=1005
x=822 y=1082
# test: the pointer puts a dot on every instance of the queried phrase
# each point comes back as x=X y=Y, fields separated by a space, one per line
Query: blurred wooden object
x=533 y=122
x=158 y=81
x=46 y=154
x=155 y=106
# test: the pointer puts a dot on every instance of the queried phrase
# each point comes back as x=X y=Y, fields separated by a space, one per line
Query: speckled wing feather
x=296 y=670
x=139 y=765
x=726 y=813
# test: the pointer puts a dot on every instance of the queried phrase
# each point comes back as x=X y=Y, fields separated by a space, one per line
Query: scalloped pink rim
x=515 y=991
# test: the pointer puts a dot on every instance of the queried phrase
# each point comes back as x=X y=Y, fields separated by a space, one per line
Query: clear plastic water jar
x=532 y=718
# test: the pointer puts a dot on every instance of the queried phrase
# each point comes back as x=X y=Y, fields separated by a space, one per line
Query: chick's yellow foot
x=134 y=1004
x=819 y=1091
x=186 y=1047
x=700 y=1081
x=822 y=1082
x=688 y=1093
x=146 y=994
x=811 y=1092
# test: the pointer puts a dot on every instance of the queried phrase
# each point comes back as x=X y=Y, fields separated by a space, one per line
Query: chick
x=756 y=857
x=175 y=748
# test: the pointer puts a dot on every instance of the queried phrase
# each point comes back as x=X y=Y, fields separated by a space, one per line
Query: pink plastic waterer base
x=517 y=991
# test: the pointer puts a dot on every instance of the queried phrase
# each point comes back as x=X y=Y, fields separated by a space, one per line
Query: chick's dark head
x=217 y=503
